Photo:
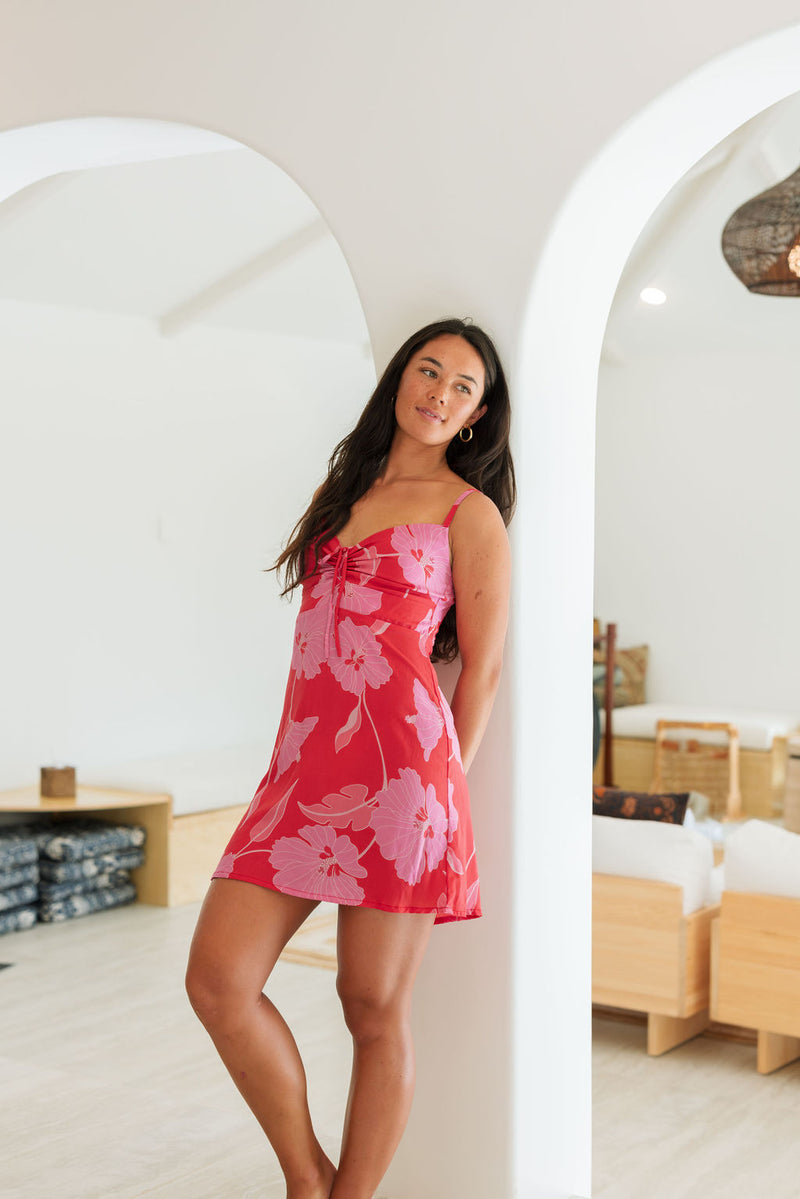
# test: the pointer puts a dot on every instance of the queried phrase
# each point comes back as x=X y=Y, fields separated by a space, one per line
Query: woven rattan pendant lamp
x=761 y=241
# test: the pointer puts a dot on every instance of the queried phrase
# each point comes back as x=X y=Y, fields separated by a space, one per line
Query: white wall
x=696 y=520
x=146 y=482
x=440 y=147
x=573 y=289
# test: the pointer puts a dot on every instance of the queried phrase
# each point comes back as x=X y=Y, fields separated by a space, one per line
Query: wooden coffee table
x=152 y=810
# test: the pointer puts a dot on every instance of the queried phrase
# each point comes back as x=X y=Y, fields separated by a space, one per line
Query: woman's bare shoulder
x=478 y=518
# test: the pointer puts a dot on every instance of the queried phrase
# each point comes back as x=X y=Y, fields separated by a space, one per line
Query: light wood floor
x=696 y=1123
x=111 y=1089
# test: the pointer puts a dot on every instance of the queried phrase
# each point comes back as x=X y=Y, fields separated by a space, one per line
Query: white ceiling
x=222 y=238
x=707 y=309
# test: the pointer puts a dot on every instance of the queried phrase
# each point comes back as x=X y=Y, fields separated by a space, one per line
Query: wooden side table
x=152 y=810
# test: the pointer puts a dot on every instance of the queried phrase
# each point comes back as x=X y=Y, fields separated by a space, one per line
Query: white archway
x=549 y=1040
x=35 y=152
x=556 y=385
x=139 y=366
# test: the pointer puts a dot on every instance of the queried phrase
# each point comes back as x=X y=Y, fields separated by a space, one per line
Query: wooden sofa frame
x=647 y=956
x=755 y=972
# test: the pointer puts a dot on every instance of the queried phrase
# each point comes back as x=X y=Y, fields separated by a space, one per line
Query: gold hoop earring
x=461 y=433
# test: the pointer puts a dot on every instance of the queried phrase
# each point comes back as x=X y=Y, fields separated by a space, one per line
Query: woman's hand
x=482 y=584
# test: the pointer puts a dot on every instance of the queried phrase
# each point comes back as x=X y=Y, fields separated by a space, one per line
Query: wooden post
x=611 y=645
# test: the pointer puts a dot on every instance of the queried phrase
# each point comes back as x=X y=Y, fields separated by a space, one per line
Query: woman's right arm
x=482 y=585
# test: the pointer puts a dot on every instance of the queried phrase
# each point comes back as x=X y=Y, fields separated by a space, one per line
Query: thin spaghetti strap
x=452 y=511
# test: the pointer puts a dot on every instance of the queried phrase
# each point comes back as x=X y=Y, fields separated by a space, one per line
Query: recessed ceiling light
x=652 y=295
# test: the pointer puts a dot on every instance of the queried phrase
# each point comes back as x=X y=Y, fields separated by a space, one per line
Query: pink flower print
x=319 y=862
x=430 y=625
x=428 y=720
x=226 y=865
x=450 y=726
x=361 y=661
x=262 y=828
x=441 y=608
x=295 y=735
x=309 y=642
x=356 y=595
x=258 y=793
x=452 y=810
x=454 y=861
x=422 y=554
x=410 y=825
x=340 y=808
x=424 y=629
x=345 y=734
x=366 y=560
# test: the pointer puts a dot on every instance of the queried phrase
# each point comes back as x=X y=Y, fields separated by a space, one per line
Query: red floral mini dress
x=365 y=801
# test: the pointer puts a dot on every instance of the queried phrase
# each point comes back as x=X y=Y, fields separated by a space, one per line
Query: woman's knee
x=369 y=1015
x=206 y=995
x=219 y=1003
x=240 y=933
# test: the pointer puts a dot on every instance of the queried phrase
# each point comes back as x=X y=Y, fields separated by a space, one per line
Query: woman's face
x=440 y=390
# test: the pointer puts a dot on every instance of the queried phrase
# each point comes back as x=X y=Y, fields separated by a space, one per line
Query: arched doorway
x=183 y=343
x=561 y=343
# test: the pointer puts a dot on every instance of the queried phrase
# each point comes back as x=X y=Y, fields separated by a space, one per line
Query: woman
x=365 y=802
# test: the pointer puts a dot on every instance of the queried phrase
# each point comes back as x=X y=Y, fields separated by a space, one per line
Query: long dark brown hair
x=359 y=458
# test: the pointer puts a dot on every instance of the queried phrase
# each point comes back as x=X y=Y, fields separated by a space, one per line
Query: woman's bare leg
x=379 y=955
x=241 y=931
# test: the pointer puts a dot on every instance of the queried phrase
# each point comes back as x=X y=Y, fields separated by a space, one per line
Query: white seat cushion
x=756 y=729
x=197 y=781
x=762 y=857
x=668 y=853
x=717 y=884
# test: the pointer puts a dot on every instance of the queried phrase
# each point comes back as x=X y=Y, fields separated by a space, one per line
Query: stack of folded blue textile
x=19 y=880
x=83 y=865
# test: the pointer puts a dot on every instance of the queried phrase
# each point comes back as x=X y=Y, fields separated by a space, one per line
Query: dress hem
x=443 y=915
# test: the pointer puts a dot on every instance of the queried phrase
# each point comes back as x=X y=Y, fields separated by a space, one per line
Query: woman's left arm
x=482 y=583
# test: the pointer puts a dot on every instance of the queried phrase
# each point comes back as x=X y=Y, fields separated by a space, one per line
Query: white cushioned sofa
x=656 y=892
